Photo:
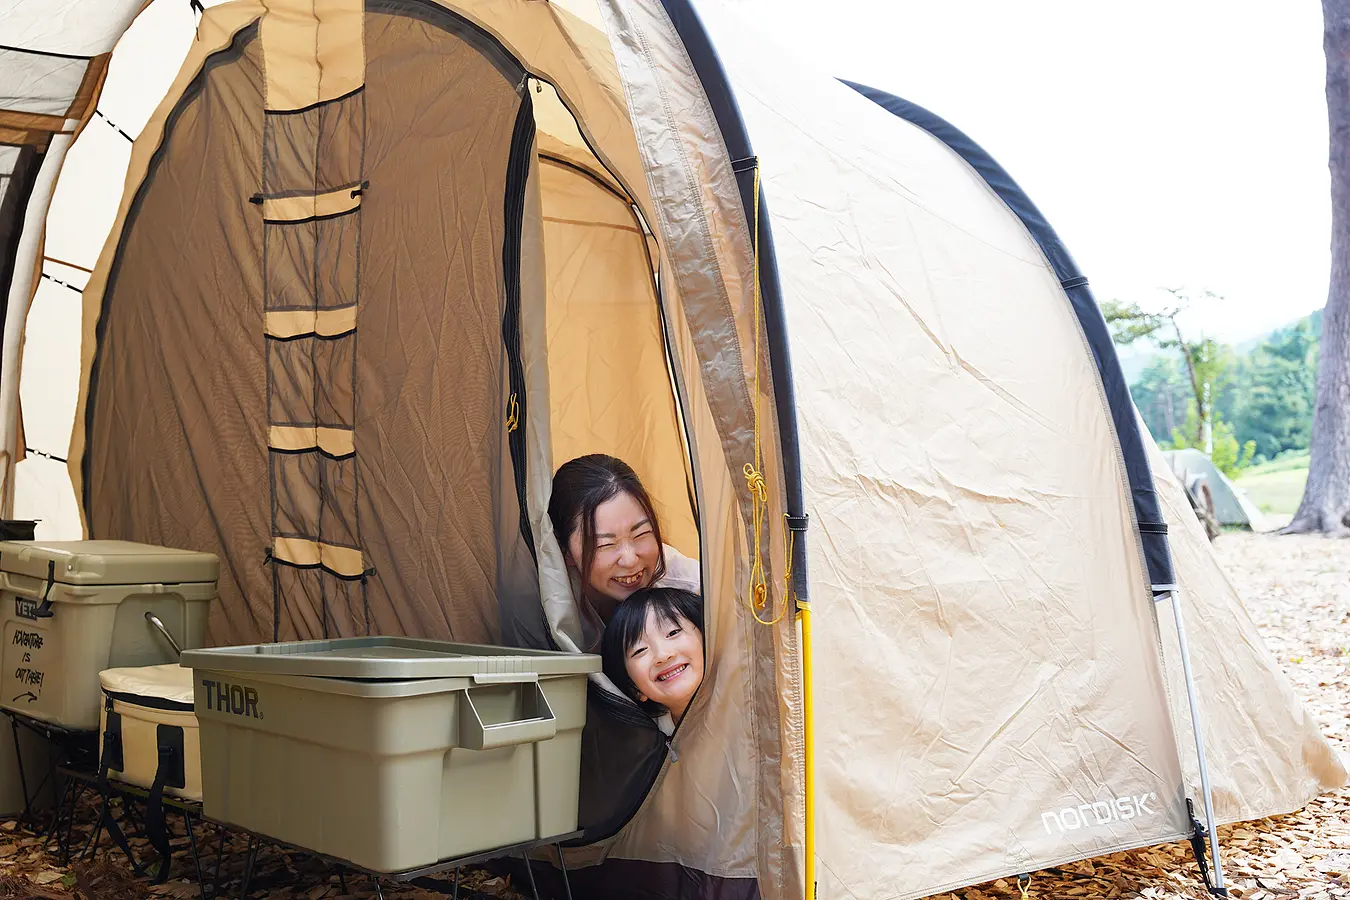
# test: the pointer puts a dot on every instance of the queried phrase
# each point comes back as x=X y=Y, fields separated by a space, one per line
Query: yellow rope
x=754 y=477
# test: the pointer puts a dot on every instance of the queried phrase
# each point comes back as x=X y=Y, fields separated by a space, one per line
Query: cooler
x=74 y=608
x=150 y=733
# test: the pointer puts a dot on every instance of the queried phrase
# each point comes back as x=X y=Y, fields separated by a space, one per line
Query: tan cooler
x=391 y=753
x=149 y=729
x=74 y=608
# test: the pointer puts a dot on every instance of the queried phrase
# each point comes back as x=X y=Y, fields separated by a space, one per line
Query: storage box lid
x=107 y=562
x=391 y=658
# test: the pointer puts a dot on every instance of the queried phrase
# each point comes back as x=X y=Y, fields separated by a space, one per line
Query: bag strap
x=170 y=772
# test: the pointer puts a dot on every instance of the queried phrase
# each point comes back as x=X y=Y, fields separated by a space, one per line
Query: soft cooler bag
x=150 y=731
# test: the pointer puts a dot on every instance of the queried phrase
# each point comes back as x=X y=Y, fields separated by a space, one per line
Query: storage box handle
x=540 y=726
x=506 y=678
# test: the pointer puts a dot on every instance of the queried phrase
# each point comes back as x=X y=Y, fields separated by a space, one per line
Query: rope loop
x=755 y=481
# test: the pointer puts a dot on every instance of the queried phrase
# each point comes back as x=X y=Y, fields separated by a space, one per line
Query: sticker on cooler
x=26 y=650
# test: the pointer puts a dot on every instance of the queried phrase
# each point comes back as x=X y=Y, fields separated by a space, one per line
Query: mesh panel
x=431 y=399
x=337 y=523
x=177 y=414
x=316 y=149
x=188 y=389
x=296 y=503
x=335 y=394
x=290 y=369
x=335 y=266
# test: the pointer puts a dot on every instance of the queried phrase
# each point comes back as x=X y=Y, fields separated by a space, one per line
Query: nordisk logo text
x=1103 y=812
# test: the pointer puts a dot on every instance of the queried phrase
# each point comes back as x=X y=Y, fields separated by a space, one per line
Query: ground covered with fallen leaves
x=1297 y=590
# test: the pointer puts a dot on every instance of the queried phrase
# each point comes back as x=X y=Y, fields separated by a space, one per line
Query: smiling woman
x=611 y=539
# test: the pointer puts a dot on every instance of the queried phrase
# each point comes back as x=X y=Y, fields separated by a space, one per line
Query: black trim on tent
x=517 y=176
x=1148 y=514
x=708 y=67
x=29 y=51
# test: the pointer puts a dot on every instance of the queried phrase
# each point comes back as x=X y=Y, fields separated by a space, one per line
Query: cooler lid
x=107 y=562
x=391 y=658
x=170 y=682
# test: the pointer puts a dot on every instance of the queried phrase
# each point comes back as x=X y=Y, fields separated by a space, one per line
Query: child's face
x=666 y=664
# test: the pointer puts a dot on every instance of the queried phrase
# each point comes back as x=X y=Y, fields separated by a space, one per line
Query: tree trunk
x=1326 y=499
x=1199 y=437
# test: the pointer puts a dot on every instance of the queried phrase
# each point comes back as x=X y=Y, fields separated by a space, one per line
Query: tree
x=1162 y=395
x=1207 y=362
x=1279 y=384
x=1325 y=506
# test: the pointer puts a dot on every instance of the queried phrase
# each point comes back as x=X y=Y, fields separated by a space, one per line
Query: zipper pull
x=670 y=748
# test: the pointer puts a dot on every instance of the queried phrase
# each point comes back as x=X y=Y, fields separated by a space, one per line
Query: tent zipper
x=517 y=175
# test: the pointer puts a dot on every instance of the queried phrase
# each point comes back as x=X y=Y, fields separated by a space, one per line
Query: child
x=653 y=649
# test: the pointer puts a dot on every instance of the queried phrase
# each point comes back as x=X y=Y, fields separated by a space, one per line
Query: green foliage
x=1129 y=323
x=1259 y=402
x=1280 y=384
x=1229 y=457
x=1162 y=395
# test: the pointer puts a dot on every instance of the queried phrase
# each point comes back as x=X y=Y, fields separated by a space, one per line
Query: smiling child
x=653 y=649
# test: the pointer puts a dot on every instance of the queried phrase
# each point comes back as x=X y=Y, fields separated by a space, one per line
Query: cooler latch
x=44 y=609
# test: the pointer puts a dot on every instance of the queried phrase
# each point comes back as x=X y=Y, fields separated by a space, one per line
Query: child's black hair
x=627 y=625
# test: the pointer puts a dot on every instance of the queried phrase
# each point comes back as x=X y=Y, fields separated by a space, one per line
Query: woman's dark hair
x=579 y=487
x=627 y=625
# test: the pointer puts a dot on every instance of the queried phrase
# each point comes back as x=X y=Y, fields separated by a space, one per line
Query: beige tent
x=329 y=288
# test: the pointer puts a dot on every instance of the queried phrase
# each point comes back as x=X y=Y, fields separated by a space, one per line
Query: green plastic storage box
x=391 y=753
x=74 y=608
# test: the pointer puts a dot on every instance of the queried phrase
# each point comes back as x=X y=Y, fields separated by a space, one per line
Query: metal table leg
x=562 y=867
x=529 y=874
x=196 y=857
x=250 y=859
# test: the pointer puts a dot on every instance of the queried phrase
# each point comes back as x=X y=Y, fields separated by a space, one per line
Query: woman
x=611 y=539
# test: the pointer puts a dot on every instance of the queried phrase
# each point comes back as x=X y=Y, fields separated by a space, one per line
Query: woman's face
x=666 y=664
x=626 y=551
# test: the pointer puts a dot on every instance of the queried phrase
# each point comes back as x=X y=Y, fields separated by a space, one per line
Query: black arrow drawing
x=29 y=694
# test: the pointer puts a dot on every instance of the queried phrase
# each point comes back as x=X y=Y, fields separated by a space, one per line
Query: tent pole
x=1218 y=888
x=808 y=740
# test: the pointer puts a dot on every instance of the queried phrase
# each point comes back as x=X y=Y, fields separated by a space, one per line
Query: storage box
x=74 y=608
x=150 y=732
x=391 y=753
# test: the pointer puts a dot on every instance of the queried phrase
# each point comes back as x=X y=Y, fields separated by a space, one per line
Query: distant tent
x=1231 y=506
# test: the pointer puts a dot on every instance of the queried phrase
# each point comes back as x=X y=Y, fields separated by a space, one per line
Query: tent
x=1231 y=506
x=329 y=288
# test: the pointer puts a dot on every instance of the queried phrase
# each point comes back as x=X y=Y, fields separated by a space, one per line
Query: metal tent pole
x=809 y=740
x=1208 y=798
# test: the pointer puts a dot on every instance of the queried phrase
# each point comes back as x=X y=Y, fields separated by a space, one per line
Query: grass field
x=1277 y=486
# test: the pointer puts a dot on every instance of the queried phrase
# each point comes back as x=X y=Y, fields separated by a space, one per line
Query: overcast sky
x=1169 y=142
